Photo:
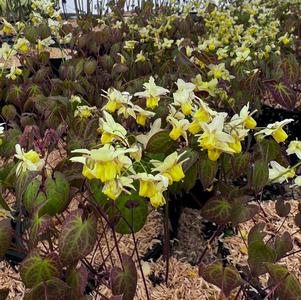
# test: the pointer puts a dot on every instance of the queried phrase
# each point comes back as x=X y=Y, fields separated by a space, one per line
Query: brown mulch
x=183 y=281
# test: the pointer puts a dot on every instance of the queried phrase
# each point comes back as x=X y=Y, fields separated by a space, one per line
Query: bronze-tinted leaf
x=226 y=278
x=283 y=244
x=282 y=209
x=6 y=234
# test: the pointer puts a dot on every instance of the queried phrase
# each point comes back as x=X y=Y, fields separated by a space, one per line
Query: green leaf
x=38 y=227
x=207 y=170
x=6 y=234
x=240 y=164
x=57 y=195
x=256 y=233
x=259 y=176
x=52 y=289
x=242 y=211
x=77 y=238
x=124 y=282
x=77 y=279
x=30 y=196
x=269 y=150
x=7 y=148
x=36 y=269
x=283 y=244
x=190 y=177
x=289 y=287
x=260 y=253
x=132 y=210
x=160 y=142
x=226 y=278
x=217 y=210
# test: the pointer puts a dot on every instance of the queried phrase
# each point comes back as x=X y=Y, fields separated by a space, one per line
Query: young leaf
x=77 y=238
x=217 y=210
x=6 y=234
x=52 y=289
x=226 y=278
x=282 y=209
x=57 y=192
x=289 y=287
x=35 y=269
x=283 y=244
x=260 y=253
x=242 y=211
x=256 y=233
x=124 y=282
x=207 y=171
x=38 y=227
x=259 y=175
x=77 y=279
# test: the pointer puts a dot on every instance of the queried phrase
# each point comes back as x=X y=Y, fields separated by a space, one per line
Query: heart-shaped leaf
x=256 y=233
x=124 y=282
x=52 y=289
x=288 y=287
x=6 y=234
x=259 y=175
x=217 y=210
x=207 y=170
x=160 y=142
x=35 y=269
x=57 y=194
x=260 y=253
x=77 y=238
x=77 y=279
x=282 y=209
x=242 y=211
x=283 y=244
x=226 y=278
x=38 y=227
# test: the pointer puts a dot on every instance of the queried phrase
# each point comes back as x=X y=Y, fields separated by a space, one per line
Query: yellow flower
x=115 y=99
x=152 y=93
x=110 y=129
x=142 y=115
x=276 y=130
x=179 y=128
x=214 y=139
x=130 y=45
x=30 y=160
x=115 y=187
x=294 y=147
x=244 y=118
x=105 y=163
x=14 y=73
x=140 y=57
x=22 y=45
x=171 y=167
x=7 y=27
x=84 y=111
x=278 y=173
x=207 y=86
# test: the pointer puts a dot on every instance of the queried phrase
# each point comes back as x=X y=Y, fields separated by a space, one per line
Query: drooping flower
x=1 y=132
x=294 y=147
x=152 y=93
x=115 y=187
x=244 y=118
x=115 y=99
x=130 y=45
x=154 y=128
x=22 y=45
x=205 y=86
x=6 y=52
x=110 y=130
x=142 y=115
x=105 y=163
x=14 y=73
x=84 y=111
x=30 y=160
x=140 y=57
x=171 y=167
x=179 y=128
x=278 y=173
x=214 y=139
x=275 y=130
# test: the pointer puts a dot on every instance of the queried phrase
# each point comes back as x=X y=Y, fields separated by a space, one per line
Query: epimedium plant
x=133 y=121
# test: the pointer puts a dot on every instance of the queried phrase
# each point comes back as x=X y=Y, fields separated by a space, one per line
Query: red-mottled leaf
x=124 y=282
x=77 y=238
x=283 y=244
x=77 y=279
